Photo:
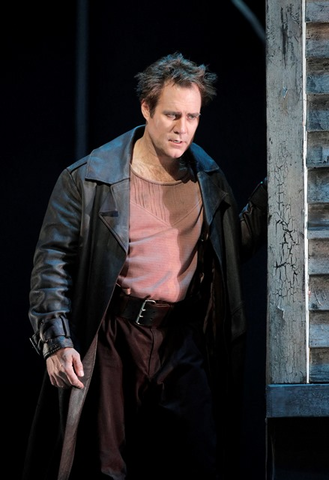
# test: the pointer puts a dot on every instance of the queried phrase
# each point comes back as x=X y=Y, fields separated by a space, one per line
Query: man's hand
x=64 y=368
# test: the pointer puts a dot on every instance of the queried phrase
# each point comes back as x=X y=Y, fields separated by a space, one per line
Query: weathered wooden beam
x=319 y=365
x=319 y=329
x=318 y=292
x=317 y=150
x=317 y=76
x=317 y=116
x=286 y=344
x=300 y=400
x=317 y=40
x=317 y=11
x=318 y=262
x=318 y=185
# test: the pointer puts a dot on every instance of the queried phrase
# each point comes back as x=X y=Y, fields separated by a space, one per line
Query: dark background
x=67 y=86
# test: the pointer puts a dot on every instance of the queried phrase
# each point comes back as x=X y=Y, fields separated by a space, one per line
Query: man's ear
x=145 y=110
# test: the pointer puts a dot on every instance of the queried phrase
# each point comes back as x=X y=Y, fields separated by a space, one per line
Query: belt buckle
x=142 y=310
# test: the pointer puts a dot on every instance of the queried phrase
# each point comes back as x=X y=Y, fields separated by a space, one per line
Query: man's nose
x=181 y=125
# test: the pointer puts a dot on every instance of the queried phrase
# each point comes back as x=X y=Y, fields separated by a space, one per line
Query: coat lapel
x=212 y=197
x=117 y=219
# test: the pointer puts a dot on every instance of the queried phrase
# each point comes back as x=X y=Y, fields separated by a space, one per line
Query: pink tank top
x=165 y=225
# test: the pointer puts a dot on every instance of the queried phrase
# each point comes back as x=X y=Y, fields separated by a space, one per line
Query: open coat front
x=82 y=248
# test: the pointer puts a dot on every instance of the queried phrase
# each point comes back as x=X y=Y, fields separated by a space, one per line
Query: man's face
x=171 y=129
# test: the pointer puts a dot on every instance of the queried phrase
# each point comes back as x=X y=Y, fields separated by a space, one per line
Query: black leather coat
x=81 y=250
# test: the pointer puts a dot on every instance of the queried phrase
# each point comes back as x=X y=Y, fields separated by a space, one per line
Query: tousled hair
x=177 y=70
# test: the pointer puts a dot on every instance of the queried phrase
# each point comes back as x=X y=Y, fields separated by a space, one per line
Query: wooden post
x=297 y=409
x=286 y=346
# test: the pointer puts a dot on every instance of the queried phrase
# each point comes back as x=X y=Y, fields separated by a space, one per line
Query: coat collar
x=110 y=162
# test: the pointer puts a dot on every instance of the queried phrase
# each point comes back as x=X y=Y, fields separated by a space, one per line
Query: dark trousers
x=153 y=404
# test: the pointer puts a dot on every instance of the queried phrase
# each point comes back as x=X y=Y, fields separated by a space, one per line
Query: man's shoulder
x=108 y=162
x=118 y=143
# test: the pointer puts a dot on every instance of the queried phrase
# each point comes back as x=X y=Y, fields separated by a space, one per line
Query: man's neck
x=152 y=167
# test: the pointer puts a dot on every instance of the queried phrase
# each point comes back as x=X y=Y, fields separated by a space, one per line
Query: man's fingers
x=78 y=367
x=73 y=378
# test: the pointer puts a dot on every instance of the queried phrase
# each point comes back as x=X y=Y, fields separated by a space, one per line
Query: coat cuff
x=55 y=344
x=53 y=335
x=259 y=195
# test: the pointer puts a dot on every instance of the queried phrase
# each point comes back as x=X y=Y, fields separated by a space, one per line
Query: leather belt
x=145 y=312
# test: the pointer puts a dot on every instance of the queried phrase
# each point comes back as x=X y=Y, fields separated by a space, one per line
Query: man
x=136 y=299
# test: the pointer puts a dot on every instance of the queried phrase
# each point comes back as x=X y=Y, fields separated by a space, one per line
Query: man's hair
x=177 y=70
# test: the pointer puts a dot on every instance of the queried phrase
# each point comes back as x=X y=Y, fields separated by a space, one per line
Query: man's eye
x=172 y=116
x=192 y=116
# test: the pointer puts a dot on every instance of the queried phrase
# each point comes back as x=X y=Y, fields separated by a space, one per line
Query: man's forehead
x=177 y=97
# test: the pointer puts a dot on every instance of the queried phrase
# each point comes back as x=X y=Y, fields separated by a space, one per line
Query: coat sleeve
x=53 y=268
x=253 y=219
